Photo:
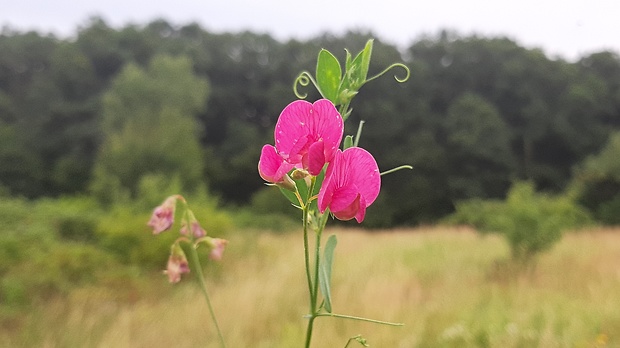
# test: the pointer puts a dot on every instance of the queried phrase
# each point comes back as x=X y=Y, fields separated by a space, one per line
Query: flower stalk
x=203 y=287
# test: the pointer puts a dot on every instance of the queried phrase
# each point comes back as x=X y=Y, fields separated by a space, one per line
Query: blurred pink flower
x=307 y=135
x=197 y=230
x=271 y=166
x=352 y=183
x=217 y=246
x=163 y=215
x=177 y=264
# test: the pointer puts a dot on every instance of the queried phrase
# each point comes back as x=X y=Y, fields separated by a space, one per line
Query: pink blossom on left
x=271 y=166
x=163 y=215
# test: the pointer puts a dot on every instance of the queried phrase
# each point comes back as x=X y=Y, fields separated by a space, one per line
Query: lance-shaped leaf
x=357 y=71
x=325 y=274
x=328 y=75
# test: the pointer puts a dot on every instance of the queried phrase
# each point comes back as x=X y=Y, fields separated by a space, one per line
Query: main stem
x=203 y=286
x=312 y=284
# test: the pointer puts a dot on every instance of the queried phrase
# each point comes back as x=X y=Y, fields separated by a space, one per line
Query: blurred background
x=106 y=109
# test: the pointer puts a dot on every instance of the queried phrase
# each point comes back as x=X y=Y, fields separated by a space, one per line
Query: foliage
x=434 y=278
x=530 y=222
x=149 y=127
x=51 y=247
x=597 y=181
x=551 y=114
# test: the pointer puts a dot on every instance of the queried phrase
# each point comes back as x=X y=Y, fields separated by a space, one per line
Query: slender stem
x=309 y=330
x=317 y=263
x=396 y=169
x=203 y=286
x=343 y=316
x=307 y=255
x=312 y=287
x=344 y=108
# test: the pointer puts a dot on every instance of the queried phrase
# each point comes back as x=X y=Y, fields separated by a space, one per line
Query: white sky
x=566 y=28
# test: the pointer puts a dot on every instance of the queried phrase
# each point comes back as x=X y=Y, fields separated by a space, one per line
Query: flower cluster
x=307 y=137
x=191 y=232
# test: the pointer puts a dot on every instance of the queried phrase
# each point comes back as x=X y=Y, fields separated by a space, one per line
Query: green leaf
x=302 y=188
x=359 y=67
x=348 y=60
x=325 y=274
x=328 y=75
x=348 y=142
x=290 y=195
x=365 y=63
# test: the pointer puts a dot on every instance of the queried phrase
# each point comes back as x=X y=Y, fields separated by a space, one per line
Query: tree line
x=99 y=112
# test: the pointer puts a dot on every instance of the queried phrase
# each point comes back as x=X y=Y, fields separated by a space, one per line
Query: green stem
x=396 y=169
x=307 y=254
x=317 y=263
x=312 y=286
x=203 y=286
x=343 y=316
x=343 y=110
x=309 y=330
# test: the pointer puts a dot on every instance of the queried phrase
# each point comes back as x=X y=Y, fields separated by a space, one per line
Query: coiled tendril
x=303 y=80
x=395 y=65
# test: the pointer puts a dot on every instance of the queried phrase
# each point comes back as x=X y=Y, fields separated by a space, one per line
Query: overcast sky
x=566 y=28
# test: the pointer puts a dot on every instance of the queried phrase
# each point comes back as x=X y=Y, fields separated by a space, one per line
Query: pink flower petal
x=352 y=183
x=163 y=215
x=301 y=125
x=315 y=158
x=271 y=166
x=364 y=172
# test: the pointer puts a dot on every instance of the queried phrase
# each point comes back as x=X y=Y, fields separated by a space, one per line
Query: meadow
x=450 y=286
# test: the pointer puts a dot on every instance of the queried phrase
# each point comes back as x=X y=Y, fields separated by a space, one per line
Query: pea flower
x=196 y=230
x=177 y=264
x=163 y=215
x=307 y=135
x=217 y=246
x=272 y=167
x=352 y=183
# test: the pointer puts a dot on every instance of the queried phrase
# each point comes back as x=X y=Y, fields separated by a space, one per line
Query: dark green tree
x=150 y=128
x=478 y=149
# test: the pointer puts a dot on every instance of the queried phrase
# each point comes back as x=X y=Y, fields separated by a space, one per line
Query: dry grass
x=448 y=285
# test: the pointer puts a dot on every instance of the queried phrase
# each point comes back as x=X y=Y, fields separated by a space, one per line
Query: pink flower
x=177 y=264
x=271 y=166
x=197 y=230
x=352 y=183
x=217 y=246
x=307 y=135
x=163 y=215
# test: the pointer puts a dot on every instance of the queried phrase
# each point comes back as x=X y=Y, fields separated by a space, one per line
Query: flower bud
x=287 y=183
x=299 y=174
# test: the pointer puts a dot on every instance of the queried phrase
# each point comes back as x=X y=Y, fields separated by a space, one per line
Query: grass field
x=450 y=286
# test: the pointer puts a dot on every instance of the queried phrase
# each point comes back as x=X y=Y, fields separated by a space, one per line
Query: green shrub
x=123 y=231
x=531 y=222
x=72 y=218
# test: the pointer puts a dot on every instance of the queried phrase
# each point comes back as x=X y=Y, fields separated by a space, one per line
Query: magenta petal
x=364 y=174
x=316 y=158
x=352 y=182
x=343 y=198
x=271 y=165
x=301 y=125
x=361 y=213
x=326 y=192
